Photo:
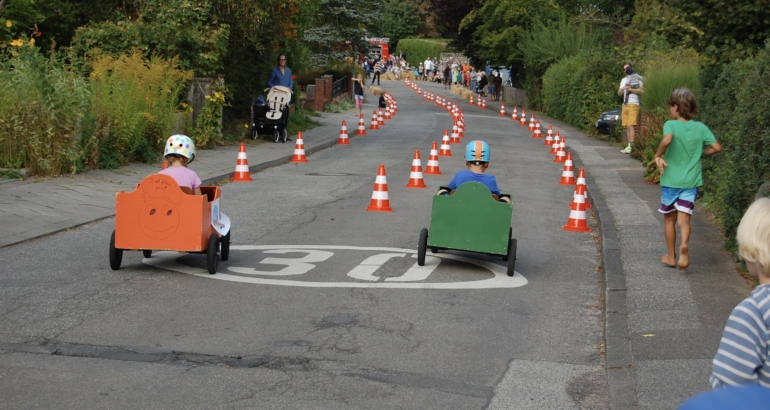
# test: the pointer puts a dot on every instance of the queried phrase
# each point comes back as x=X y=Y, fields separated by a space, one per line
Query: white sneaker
x=626 y=150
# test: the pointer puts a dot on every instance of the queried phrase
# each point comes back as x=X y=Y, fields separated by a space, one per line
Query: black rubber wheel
x=224 y=251
x=510 y=235
x=116 y=255
x=146 y=253
x=421 y=247
x=511 y=256
x=433 y=250
x=284 y=135
x=213 y=255
x=276 y=135
x=254 y=133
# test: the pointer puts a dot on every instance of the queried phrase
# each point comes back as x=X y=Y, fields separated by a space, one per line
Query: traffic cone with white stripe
x=549 y=136
x=502 y=109
x=415 y=177
x=568 y=174
x=343 y=139
x=380 y=119
x=374 y=125
x=461 y=127
x=538 y=133
x=484 y=103
x=515 y=114
x=361 y=130
x=561 y=154
x=455 y=139
x=433 y=168
x=531 y=123
x=445 y=151
x=242 y=173
x=523 y=119
x=299 y=150
x=581 y=180
x=577 y=214
x=380 y=201
x=471 y=101
x=555 y=144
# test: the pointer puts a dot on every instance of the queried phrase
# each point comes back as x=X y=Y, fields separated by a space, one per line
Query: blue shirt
x=742 y=357
x=276 y=78
x=465 y=175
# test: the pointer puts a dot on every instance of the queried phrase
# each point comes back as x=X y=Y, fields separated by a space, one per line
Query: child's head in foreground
x=179 y=148
x=754 y=239
x=684 y=100
x=477 y=156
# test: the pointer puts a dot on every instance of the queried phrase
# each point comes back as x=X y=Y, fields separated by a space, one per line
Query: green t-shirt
x=683 y=155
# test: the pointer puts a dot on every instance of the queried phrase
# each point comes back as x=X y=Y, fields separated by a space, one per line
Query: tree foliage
x=399 y=20
x=341 y=28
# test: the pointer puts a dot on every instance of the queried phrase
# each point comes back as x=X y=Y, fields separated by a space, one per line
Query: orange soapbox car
x=160 y=216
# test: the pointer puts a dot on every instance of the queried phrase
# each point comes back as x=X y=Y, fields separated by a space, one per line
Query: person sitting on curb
x=477 y=155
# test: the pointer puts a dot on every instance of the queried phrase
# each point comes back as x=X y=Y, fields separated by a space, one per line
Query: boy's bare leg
x=683 y=219
x=669 y=259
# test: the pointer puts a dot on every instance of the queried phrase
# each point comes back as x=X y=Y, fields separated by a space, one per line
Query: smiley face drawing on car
x=160 y=216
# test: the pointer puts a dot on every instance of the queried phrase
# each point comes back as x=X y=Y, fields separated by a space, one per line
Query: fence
x=340 y=86
x=514 y=96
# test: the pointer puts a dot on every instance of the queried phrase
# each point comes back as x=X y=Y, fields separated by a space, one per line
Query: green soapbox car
x=470 y=219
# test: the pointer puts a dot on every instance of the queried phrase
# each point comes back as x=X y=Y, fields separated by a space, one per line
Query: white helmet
x=180 y=145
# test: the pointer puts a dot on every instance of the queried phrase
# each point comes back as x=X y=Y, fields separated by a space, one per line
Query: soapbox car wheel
x=284 y=135
x=213 y=255
x=433 y=249
x=422 y=246
x=276 y=135
x=511 y=256
x=116 y=255
x=146 y=253
x=510 y=235
x=224 y=252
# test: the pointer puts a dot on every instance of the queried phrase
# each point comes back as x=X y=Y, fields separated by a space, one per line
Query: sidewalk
x=42 y=206
x=662 y=326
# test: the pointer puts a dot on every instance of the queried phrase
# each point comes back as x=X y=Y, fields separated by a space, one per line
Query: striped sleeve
x=743 y=348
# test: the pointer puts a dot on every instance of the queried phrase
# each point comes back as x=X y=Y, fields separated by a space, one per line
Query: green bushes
x=417 y=50
x=40 y=112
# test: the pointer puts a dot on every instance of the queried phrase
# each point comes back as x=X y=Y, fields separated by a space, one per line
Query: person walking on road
x=378 y=68
x=358 y=90
x=281 y=75
x=630 y=87
x=684 y=142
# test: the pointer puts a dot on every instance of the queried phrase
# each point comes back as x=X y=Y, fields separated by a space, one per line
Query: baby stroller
x=270 y=117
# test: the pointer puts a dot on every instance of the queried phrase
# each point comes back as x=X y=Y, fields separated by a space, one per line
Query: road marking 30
x=363 y=273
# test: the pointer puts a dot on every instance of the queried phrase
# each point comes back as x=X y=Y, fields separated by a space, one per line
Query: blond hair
x=754 y=234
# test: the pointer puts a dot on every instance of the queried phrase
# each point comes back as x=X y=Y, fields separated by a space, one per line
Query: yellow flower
x=8 y=23
x=31 y=42
x=17 y=43
x=245 y=125
x=15 y=54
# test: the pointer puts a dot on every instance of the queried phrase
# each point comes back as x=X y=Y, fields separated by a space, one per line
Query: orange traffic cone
x=164 y=165
x=577 y=214
x=380 y=201
x=380 y=119
x=471 y=101
x=538 y=133
x=455 y=135
x=343 y=139
x=581 y=180
x=531 y=123
x=523 y=119
x=361 y=130
x=502 y=109
x=242 y=173
x=386 y=114
x=561 y=154
x=432 y=168
x=515 y=114
x=445 y=151
x=415 y=177
x=461 y=127
x=568 y=175
x=374 y=125
x=549 y=136
x=299 y=150
x=555 y=143
x=484 y=103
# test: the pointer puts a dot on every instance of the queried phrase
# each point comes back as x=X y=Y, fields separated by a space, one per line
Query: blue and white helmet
x=180 y=144
x=477 y=151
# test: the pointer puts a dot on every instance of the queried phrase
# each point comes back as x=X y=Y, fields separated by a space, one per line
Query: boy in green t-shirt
x=683 y=144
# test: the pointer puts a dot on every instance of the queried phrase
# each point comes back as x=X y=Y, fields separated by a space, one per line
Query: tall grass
x=663 y=78
x=418 y=49
x=133 y=102
x=40 y=112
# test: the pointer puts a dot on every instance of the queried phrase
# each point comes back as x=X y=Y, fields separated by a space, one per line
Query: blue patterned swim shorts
x=677 y=199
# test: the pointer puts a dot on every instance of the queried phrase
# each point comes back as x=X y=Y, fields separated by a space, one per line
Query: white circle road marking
x=168 y=260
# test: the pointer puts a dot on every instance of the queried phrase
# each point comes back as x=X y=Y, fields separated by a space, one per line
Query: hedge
x=418 y=49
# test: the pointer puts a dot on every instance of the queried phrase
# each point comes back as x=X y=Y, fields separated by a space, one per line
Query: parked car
x=607 y=120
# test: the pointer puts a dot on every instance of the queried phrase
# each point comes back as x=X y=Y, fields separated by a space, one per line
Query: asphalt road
x=317 y=307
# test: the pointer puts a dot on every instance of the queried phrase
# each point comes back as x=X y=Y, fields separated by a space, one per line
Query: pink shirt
x=184 y=176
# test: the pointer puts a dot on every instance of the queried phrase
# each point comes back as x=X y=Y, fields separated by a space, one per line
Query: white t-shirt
x=633 y=98
x=428 y=65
